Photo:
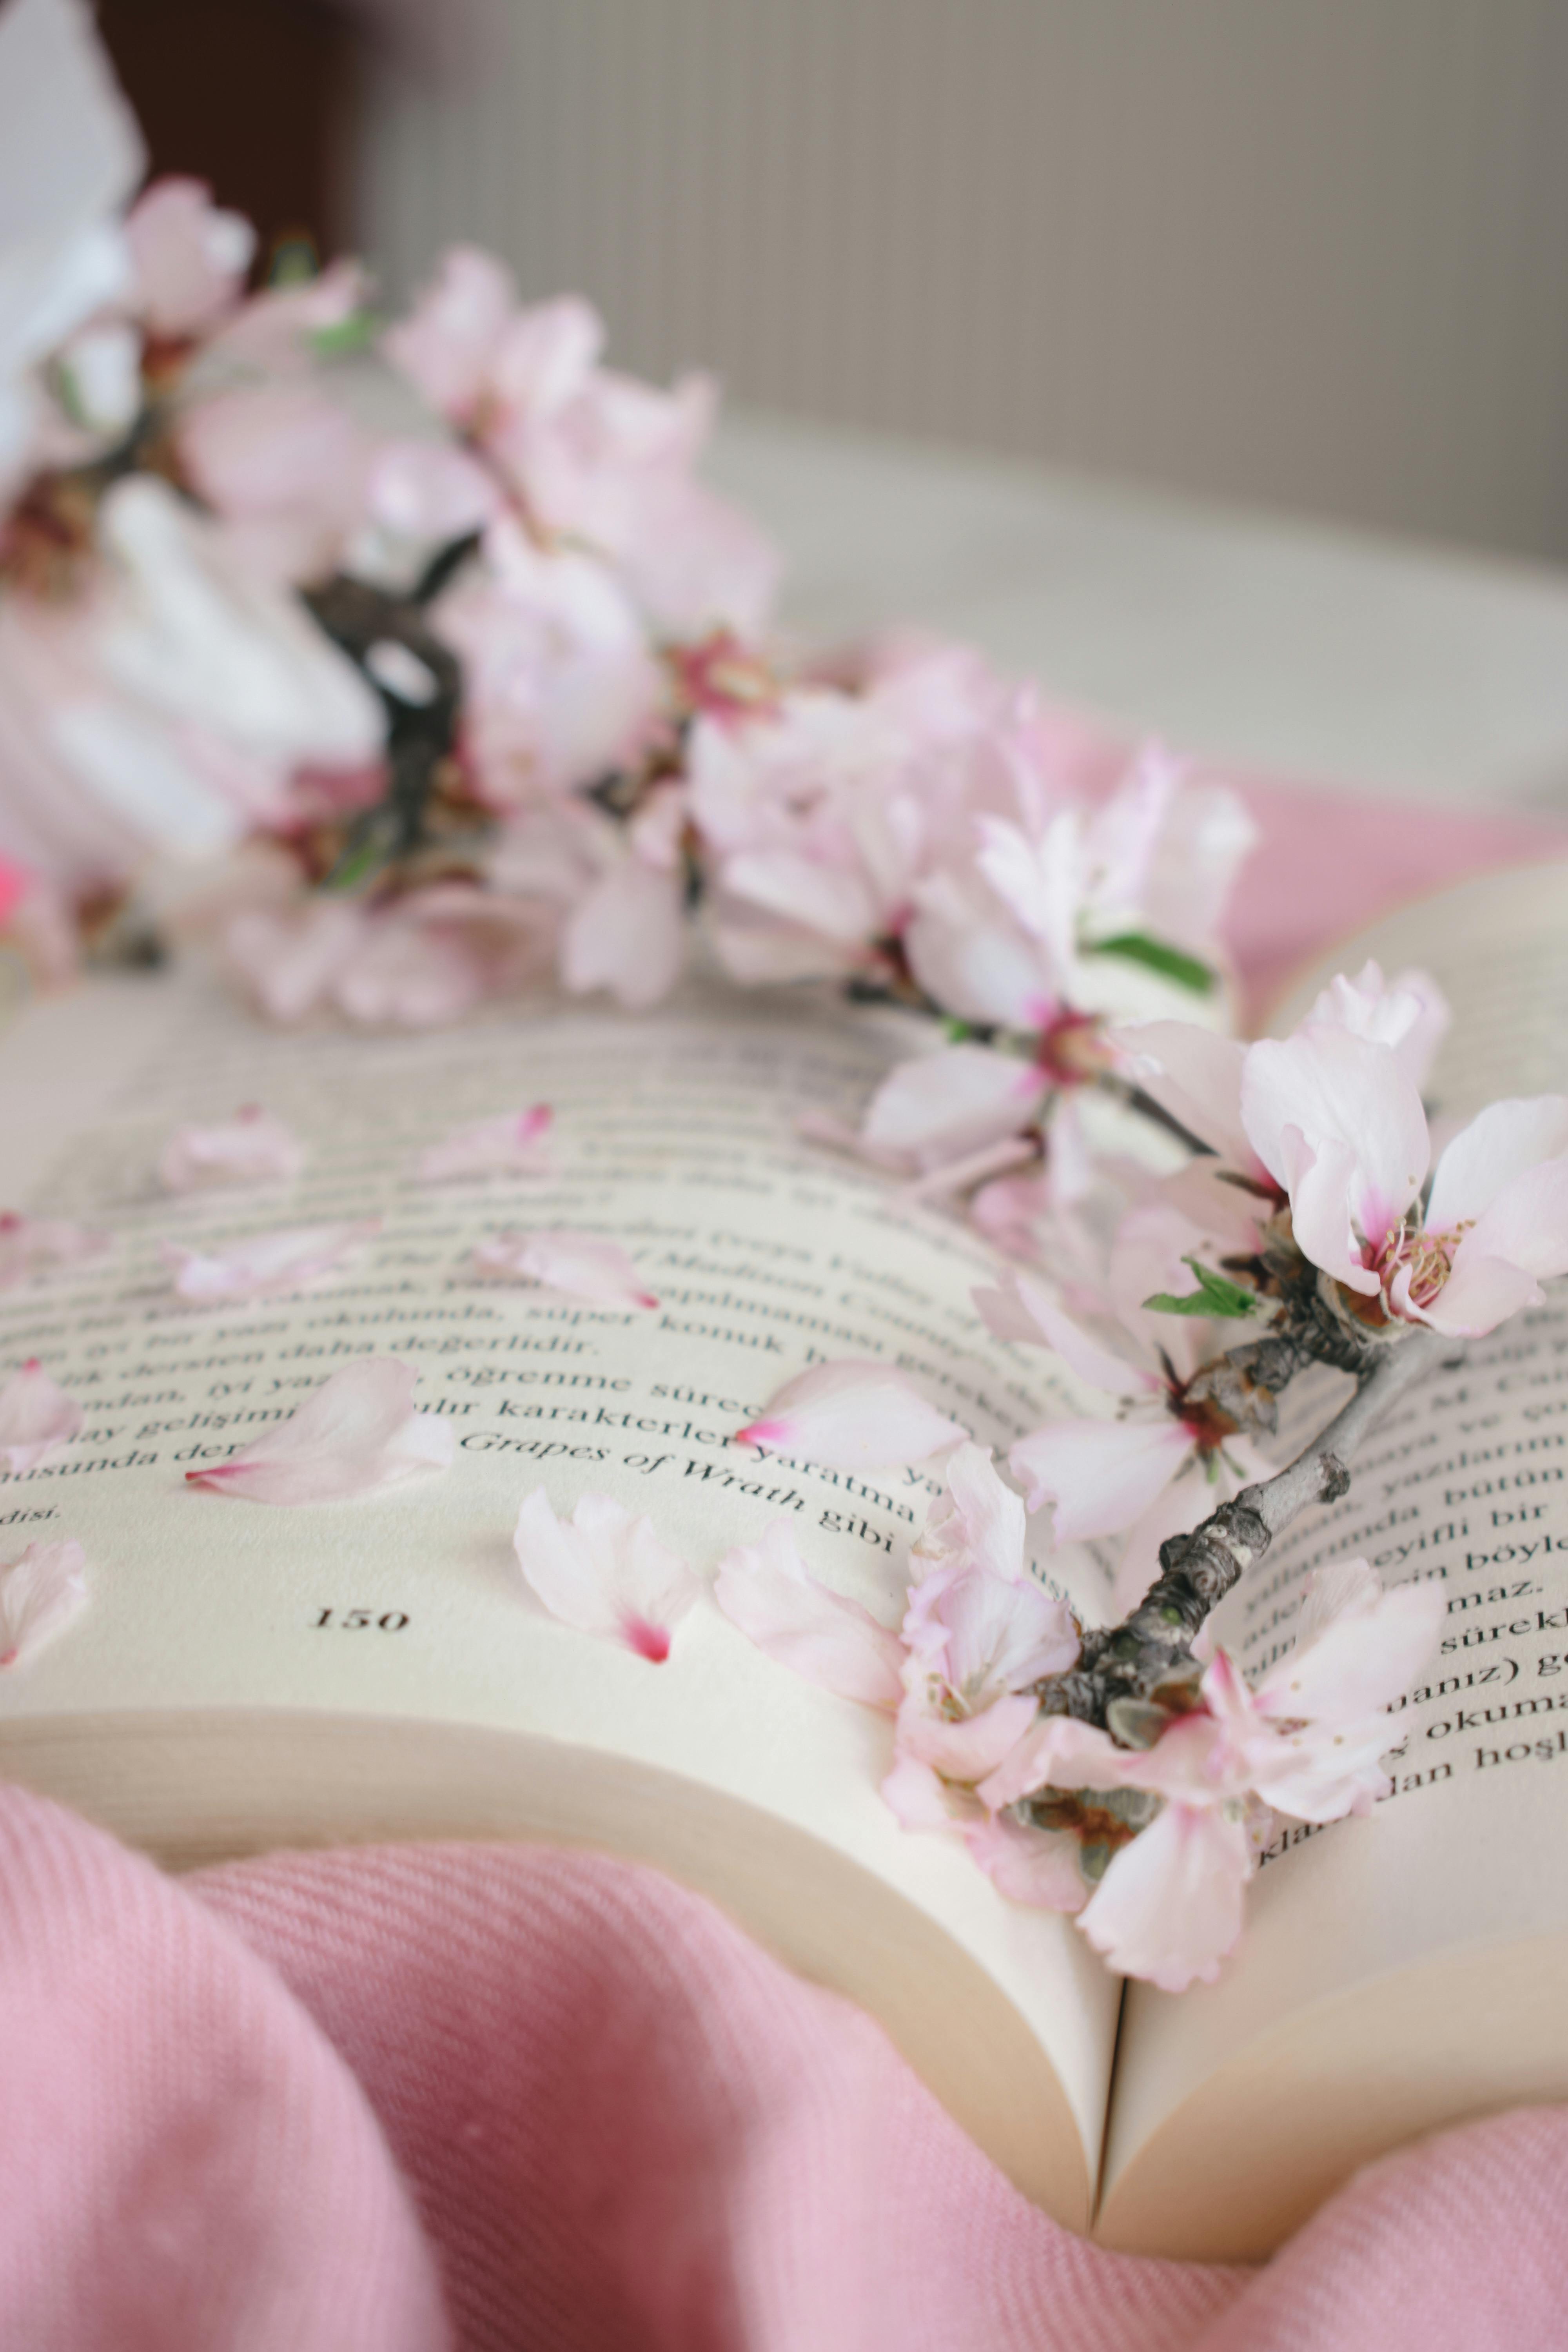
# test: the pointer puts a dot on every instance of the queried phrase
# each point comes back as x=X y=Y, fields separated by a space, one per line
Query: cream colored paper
x=675 y=1134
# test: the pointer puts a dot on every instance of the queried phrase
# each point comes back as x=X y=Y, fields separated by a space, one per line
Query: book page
x=1466 y=1485
x=675 y=1134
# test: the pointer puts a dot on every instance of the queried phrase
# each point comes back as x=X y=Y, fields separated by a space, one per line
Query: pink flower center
x=1425 y=1257
x=1069 y=1049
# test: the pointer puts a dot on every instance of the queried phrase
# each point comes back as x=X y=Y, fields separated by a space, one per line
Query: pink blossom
x=1106 y=1476
x=767 y=1591
x=265 y=1265
x=1308 y=1740
x=1336 y=1119
x=418 y=496
x=291 y=956
x=448 y=343
x=512 y=1145
x=561 y=685
x=284 y=466
x=975 y=1522
x=357 y=1433
x=592 y=457
x=39 y=1595
x=584 y=1265
x=421 y=960
x=978 y=1634
x=628 y=933
x=604 y=1571
x=1042 y=931
x=252 y=1147
x=169 y=706
x=851 y=1415
x=36 y=1417
x=188 y=257
x=1197 y=1077
x=822 y=811
x=33 y=1244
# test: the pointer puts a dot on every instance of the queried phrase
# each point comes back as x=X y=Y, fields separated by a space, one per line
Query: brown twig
x=1131 y=1674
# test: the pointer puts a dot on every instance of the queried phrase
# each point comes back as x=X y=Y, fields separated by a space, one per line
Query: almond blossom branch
x=1129 y=1674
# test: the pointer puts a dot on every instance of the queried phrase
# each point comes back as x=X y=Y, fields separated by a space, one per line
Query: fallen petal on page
x=767 y=1590
x=852 y=1416
x=267 y=1265
x=512 y=1145
x=604 y=1571
x=357 y=1433
x=252 y=1147
x=581 y=1265
x=31 y=1245
x=36 y=1417
x=39 y=1595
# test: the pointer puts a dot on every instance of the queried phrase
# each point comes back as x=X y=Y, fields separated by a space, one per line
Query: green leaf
x=1213 y=1296
x=1137 y=947
x=346 y=336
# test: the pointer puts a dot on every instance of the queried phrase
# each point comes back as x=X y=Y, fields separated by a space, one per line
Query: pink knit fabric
x=417 y=2098
x=261 y=2111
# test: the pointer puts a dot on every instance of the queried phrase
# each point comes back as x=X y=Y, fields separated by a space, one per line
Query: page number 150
x=356 y=1621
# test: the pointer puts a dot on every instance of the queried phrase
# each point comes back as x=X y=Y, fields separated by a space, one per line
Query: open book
x=249 y=1676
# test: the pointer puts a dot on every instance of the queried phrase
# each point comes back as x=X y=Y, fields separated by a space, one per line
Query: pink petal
x=39 y=1595
x=1480 y=1293
x=1195 y=1075
x=1169 y=1907
x=36 y=1417
x=628 y=935
x=267 y=1265
x=252 y=1147
x=1023 y=1308
x=32 y=1245
x=1410 y=1014
x=189 y=258
x=852 y=1416
x=977 y=1523
x=1525 y=1223
x=767 y=1591
x=921 y=1800
x=1324 y=1183
x=1358 y=1647
x=1059 y=1752
x=291 y=958
x=978 y=1636
x=1039 y=1867
x=512 y=1145
x=955 y=1100
x=1350 y=1100
x=584 y=1265
x=1100 y=1474
x=448 y=342
x=1499 y=1144
x=826 y=901
x=427 y=490
x=966 y=1748
x=604 y=1571
x=357 y=1433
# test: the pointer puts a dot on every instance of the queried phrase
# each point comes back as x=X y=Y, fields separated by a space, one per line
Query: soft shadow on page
x=675 y=1133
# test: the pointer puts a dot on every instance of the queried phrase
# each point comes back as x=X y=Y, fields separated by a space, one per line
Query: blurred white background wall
x=1307 y=253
